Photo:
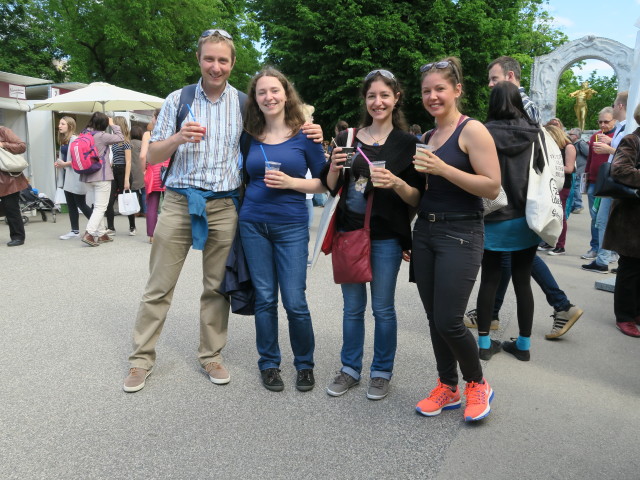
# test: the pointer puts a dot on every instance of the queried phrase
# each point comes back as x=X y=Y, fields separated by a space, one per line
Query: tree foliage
x=26 y=38
x=569 y=82
x=149 y=45
x=327 y=47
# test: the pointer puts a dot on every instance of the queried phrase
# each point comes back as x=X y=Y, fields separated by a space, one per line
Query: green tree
x=569 y=82
x=149 y=45
x=25 y=35
x=326 y=47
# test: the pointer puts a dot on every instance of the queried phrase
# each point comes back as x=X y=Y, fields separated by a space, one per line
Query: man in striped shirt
x=507 y=69
x=198 y=209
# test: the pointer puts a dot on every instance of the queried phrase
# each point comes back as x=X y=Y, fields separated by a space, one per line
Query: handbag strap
x=367 y=215
x=350 y=135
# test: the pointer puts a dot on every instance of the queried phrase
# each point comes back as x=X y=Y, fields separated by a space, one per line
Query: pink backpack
x=84 y=155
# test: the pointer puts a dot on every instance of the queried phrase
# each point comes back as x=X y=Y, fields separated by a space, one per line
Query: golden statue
x=581 y=96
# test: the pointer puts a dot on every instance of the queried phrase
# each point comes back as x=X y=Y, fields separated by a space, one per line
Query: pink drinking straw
x=364 y=156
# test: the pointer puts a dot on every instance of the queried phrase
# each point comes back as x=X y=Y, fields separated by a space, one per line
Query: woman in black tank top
x=448 y=237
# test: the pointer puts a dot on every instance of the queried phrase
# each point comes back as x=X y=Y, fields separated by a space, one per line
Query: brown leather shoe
x=105 y=239
x=217 y=372
x=90 y=239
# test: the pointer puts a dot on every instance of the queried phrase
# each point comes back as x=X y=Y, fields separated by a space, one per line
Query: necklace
x=376 y=142
x=452 y=122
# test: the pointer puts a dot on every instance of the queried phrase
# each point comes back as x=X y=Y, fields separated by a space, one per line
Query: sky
x=610 y=19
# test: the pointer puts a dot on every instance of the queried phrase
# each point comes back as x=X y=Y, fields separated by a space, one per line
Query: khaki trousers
x=171 y=243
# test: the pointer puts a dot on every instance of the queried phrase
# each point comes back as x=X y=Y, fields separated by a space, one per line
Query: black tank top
x=442 y=195
x=567 y=176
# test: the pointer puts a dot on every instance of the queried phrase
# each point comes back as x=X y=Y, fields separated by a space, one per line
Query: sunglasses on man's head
x=384 y=73
x=222 y=33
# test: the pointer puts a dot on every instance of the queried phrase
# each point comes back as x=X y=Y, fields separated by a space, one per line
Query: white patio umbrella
x=100 y=97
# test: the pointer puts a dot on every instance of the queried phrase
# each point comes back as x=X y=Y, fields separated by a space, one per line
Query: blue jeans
x=542 y=276
x=602 y=218
x=386 y=256
x=577 y=198
x=277 y=255
x=594 y=244
x=309 y=203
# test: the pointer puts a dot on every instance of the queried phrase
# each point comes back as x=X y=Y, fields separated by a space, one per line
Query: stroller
x=31 y=200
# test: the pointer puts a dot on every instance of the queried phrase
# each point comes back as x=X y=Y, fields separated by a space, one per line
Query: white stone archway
x=547 y=69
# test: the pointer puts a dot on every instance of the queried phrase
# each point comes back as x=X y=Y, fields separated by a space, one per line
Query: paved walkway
x=66 y=320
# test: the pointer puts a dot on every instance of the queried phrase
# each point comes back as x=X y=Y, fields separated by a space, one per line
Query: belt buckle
x=431 y=217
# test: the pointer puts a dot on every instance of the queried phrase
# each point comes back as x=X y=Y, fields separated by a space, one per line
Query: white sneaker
x=590 y=255
x=69 y=235
x=132 y=232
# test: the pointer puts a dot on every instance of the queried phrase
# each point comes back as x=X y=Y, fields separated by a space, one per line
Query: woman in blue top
x=273 y=222
x=448 y=236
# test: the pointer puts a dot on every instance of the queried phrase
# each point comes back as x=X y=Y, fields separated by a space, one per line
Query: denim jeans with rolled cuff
x=386 y=257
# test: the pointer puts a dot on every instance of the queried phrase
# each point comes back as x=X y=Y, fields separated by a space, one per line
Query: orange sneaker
x=440 y=398
x=479 y=396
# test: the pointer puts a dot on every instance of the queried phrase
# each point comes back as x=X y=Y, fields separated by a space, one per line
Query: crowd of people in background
x=425 y=206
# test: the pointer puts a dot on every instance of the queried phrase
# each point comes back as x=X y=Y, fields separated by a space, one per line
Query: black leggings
x=521 y=262
x=117 y=187
x=75 y=202
x=445 y=261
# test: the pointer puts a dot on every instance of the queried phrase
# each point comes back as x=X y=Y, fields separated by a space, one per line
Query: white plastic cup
x=424 y=146
x=376 y=164
x=271 y=165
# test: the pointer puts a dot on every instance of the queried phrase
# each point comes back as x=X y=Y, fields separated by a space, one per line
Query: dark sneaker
x=341 y=384
x=135 y=380
x=556 y=251
x=271 y=379
x=577 y=210
x=487 y=353
x=510 y=347
x=544 y=246
x=378 y=388
x=471 y=320
x=628 y=328
x=218 y=373
x=563 y=320
x=594 y=267
x=305 y=380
